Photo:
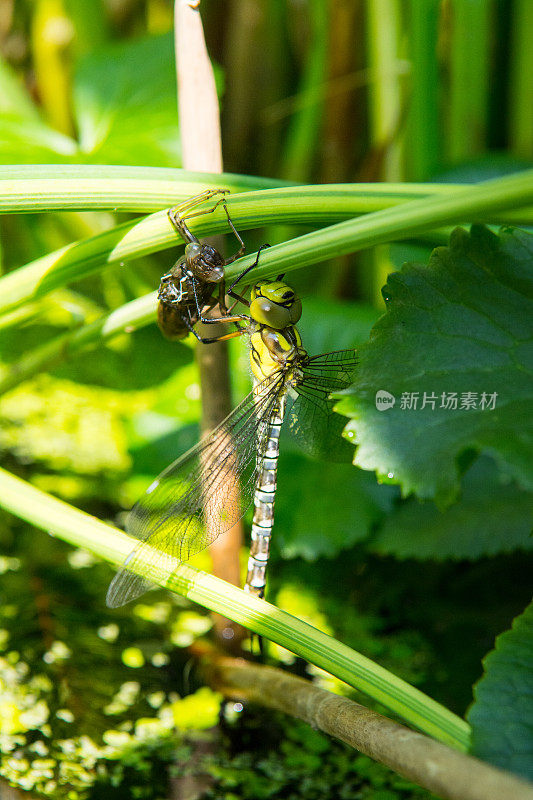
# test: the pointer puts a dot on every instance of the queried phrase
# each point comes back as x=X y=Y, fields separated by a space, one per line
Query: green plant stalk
x=301 y=140
x=469 y=84
x=521 y=80
x=51 y=62
x=383 y=32
x=423 y=140
x=147 y=189
x=403 y=221
x=82 y=530
x=36 y=188
x=74 y=187
x=253 y=209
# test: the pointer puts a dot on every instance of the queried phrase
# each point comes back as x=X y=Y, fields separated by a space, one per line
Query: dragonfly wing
x=126 y=586
x=312 y=420
x=198 y=497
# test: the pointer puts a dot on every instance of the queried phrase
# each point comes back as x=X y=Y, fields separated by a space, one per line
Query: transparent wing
x=312 y=420
x=199 y=496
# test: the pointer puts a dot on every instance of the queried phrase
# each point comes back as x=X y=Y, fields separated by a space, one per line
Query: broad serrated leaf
x=502 y=713
x=462 y=324
x=324 y=508
x=492 y=516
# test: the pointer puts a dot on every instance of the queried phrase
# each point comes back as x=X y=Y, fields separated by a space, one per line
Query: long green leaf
x=471 y=43
x=125 y=319
x=83 y=530
x=423 y=143
x=53 y=187
x=255 y=209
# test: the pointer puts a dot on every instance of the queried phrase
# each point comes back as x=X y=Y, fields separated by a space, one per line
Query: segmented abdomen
x=265 y=489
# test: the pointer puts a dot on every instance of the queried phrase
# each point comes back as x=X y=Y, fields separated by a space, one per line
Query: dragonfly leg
x=178 y=214
x=211 y=304
x=210 y=321
x=241 y=276
x=222 y=202
x=229 y=318
x=181 y=211
x=222 y=301
x=240 y=252
x=214 y=339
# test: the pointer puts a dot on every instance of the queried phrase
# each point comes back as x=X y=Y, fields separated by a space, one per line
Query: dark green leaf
x=462 y=324
x=332 y=325
x=492 y=516
x=323 y=508
x=502 y=714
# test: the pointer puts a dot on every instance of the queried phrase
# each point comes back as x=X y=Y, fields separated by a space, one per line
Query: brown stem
x=202 y=151
x=8 y=792
x=428 y=763
x=197 y=95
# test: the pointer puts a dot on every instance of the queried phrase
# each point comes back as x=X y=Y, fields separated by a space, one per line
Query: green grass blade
x=400 y=222
x=35 y=188
x=49 y=187
x=423 y=143
x=472 y=29
x=148 y=189
x=125 y=319
x=82 y=530
x=383 y=32
x=521 y=80
x=304 y=129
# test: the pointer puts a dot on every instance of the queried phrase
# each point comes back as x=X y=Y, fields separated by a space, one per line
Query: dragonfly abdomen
x=264 y=496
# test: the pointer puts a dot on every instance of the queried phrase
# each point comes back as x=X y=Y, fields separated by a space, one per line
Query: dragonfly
x=195 y=284
x=195 y=499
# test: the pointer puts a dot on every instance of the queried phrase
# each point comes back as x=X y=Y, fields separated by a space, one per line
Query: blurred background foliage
x=311 y=91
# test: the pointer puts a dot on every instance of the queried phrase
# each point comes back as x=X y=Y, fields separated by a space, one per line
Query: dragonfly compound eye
x=267 y=312
x=295 y=310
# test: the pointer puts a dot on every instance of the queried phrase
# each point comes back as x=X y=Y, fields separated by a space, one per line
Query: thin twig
x=430 y=764
x=202 y=151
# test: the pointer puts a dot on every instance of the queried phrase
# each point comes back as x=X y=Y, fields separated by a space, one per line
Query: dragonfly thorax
x=273 y=351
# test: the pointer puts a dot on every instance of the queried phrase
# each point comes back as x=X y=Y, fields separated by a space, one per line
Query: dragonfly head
x=205 y=262
x=275 y=304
